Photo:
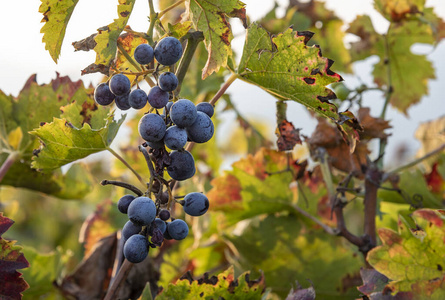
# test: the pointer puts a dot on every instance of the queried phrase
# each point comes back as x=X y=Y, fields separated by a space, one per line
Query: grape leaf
x=286 y=251
x=56 y=14
x=409 y=72
x=223 y=286
x=396 y=10
x=211 y=17
x=129 y=41
x=107 y=36
x=431 y=135
x=413 y=258
x=11 y=259
x=34 y=105
x=62 y=142
x=248 y=190
x=45 y=268
x=287 y=68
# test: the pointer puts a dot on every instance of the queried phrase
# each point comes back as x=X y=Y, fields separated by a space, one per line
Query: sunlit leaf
x=11 y=259
x=223 y=286
x=412 y=257
x=56 y=14
x=211 y=17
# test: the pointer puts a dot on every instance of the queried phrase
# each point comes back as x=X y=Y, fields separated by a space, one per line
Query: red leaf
x=12 y=284
x=435 y=181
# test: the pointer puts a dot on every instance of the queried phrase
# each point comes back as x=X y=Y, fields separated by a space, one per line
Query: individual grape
x=103 y=95
x=137 y=99
x=178 y=229
x=152 y=127
x=136 y=248
x=201 y=130
x=196 y=204
x=156 y=145
x=164 y=198
x=341 y=91
x=124 y=202
x=120 y=84
x=164 y=215
x=167 y=235
x=168 y=81
x=143 y=54
x=157 y=236
x=122 y=102
x=175 y=138
x=161 y=224
x=157 y=97
x=130 y=229
x=182 y=165
x=206 y=108
x=168 y=51
x=183 y=113
x=142 y=211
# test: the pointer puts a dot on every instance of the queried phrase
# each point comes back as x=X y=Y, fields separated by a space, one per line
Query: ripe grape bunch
x=165 y=134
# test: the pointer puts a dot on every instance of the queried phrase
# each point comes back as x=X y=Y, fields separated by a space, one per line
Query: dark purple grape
x=120 y=84
x=201 y=130
x=178 y=229
x=196 y=204
x=168 y=81
x=164 y=215
x=167 y=235
x=168 y=51
x=164 y=197
x=182 y=165
x=136 y=248
x=183 y=113
x=130 y=229
x=152 y=127
x=103 y=95
x=137 y=99
x=156 y=145
x=206 y=108
x=124 y=202
x=122 y=102
x=157 y=97
x=157 y=236
x=142 y=211
x=175 y=138
x=144 y=54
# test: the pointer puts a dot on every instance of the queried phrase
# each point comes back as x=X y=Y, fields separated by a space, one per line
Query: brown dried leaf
x=373 y=127
x=288 y=136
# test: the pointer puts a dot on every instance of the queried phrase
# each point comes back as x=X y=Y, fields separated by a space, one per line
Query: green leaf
x=44 y=270
x=56 y=14
x=413 y=257
x=11 y=259
x=409 y=73
x=396 y=10
x=107 y=37
x=285 y=251
x=211 y=17
x=287 y=68
x=63 y=143
x=224 y=286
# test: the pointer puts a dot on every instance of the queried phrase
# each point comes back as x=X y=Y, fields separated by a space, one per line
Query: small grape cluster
x=180 y=122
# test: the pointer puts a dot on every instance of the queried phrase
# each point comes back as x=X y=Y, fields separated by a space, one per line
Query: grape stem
x=153 y=18
x=121 y=275
x=124 y=185
x=139 y=177
x=10 y=160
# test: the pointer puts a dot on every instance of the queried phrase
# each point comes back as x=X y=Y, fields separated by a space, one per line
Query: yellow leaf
x=15 y=138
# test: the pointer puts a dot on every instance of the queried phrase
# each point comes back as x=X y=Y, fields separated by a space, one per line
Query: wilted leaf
x=62 y=142
x=397 y=10
x=301 y=294
x=107 y=36
x=223 y=286
x=211 y=17
x=431 y=136
x=412 y=258
x=56 y=14
x=288 y=136
x=11 y=259
x=372 y=127
x=373 y=281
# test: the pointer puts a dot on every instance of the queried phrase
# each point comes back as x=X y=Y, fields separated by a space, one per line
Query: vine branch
x=10 y=160
x=124 y=185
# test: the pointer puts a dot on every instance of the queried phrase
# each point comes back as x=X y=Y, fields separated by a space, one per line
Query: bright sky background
x=22 y=53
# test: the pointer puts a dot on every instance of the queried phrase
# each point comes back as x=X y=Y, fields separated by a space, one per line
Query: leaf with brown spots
x=222 y=286
x=11 y=259
x=413 y=258
x=288 y=136
x=284 y=66
x=56 y=14
x=211 y=17
x=372 y=127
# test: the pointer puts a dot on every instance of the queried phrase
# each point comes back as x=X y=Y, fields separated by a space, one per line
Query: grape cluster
x=165 y=135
